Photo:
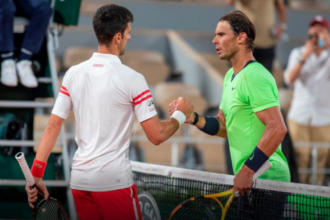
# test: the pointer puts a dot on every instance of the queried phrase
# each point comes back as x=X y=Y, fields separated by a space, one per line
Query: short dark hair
x=110 y=20
x=239 y=23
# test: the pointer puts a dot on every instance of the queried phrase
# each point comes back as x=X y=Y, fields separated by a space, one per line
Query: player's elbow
x=284 y=130
x=281 y=130
x=157 y=138
x=54 y=124
x=277 y=129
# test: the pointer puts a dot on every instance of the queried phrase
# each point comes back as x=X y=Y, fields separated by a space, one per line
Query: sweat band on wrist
x=211 y=126
x=38 y=168
x=179 y=116
x=256 y=159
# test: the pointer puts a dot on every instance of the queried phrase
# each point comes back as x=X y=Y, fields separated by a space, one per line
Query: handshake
x=184 y=106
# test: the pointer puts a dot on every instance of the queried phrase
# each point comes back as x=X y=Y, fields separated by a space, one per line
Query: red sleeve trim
x=139 y=96
x=145 y=98
x=65 y=93
x=64 y=88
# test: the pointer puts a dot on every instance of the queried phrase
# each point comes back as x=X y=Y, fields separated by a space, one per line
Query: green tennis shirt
x=251 y=90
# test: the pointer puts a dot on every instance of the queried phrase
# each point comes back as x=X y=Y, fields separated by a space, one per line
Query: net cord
x=216 y=178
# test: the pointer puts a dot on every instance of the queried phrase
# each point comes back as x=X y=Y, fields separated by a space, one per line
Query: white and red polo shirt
x=103 y=94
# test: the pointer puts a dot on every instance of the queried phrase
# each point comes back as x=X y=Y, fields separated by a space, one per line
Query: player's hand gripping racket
x=210 y=206
x=47 y=210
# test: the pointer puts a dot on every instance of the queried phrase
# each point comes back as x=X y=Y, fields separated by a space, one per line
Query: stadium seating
x=213 y=153
x=165 y=93
x=76 y=55
x=149 y=63
x=39 y=124
x=220 y=65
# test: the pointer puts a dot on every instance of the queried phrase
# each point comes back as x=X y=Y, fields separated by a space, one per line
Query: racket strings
x=50 y=210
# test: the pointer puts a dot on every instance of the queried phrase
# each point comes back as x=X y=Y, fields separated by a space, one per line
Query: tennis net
x=169 y=186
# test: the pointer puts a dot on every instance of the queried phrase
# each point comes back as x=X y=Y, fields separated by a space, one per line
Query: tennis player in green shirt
x=249 y=112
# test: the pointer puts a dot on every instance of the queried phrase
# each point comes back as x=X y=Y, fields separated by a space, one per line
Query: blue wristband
x=256 y=159
x=211 y=126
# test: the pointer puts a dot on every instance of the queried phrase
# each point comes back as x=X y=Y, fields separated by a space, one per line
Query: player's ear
x=117 y=38
x=242 y=37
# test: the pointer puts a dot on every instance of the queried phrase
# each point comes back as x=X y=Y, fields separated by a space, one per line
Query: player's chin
x=222 y=56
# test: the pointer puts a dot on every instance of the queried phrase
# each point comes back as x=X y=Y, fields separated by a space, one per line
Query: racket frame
x=267 y=165
x=30 y=181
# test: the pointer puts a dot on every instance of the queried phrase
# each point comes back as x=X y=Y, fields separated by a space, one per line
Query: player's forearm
x=49 y=138
x=165 y=130
x=201 y=122
x=222 y=131
x=272 y=138
x=214 y=128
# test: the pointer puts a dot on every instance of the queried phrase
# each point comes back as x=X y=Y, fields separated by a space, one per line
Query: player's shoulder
x=73 y=70
x=125 y=72
x=255 y=65
x=256 y=70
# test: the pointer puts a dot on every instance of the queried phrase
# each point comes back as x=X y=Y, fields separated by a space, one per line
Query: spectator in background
x=309 y=72
x=262 y=15
x=38 y=12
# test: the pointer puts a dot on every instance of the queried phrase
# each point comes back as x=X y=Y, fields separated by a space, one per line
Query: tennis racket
x=44 y=210
x=210 y=206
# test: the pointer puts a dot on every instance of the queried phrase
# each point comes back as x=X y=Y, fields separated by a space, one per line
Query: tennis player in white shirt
x=104 y=95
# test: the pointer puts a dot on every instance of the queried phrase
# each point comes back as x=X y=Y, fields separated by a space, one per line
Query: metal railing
x=313 y=170
x=175 y=141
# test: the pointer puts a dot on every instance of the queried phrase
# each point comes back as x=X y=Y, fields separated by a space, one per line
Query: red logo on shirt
x=98 y=65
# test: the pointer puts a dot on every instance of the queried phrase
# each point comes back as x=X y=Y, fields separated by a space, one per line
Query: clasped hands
x=183 y=105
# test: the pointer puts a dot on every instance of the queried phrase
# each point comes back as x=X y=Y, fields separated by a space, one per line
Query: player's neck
x=108 y=50
x=240 y=59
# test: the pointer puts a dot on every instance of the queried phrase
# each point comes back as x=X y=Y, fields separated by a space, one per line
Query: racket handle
x=267 y=165
x=25 y=168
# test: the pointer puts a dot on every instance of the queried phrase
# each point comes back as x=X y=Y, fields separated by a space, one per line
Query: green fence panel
x=66 y=11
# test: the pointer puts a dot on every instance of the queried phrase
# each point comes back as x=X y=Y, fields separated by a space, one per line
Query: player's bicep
x=63 y=105
x=144 y=106
x=151 y=128
x=271 y=117
x=141 y=98
x=55 y=120
x=262 y=96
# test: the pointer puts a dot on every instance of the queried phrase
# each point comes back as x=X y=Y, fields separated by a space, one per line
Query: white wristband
x=179 y=116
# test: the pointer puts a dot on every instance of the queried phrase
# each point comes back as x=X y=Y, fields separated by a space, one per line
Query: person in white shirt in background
x=104 y=95
x=308 y=71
